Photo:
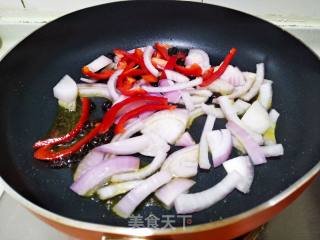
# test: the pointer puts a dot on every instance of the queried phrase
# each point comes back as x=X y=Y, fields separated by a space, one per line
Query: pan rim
x=144 y=232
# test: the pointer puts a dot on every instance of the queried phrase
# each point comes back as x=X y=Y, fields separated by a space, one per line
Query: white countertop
x=30 y=228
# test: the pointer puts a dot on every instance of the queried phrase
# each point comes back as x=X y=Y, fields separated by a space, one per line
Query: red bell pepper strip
x=124 y=87
x=149 y=78
x=162 y=50
x=120 y=128
x=194 y=70
x=169 y=66
x=126 y=55
x=97 y=76
x=210 y=76
x=110 y=116
x=74 y=132
x=46 y=152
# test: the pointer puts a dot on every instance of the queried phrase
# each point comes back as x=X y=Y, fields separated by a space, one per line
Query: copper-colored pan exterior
x=221 y=230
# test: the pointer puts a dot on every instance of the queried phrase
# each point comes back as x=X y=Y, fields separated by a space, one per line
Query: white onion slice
x=241 y=90
x=175 y=87
x=269 y=136
x=186 y=98
x=195 y=202
x=99 y=63
x=273 y=150
x=92 y=159
x=147 y=55
x=274 y=115
x=93 y=90
x=143 y=172
x=265 y=94
x=183 y=163
x=231 y=115
x=185 y=140
x=221 y=86
x=256 y=118
x=66 y=91
x=200 y=92
x=125 y=207
x=174 y=96
x=254 y=150
x=125 y=147
x=169 y=192
x=169 y=125
x=175 y=76
x=204 y=162
x=86 y=80
x=233 y=76
x=112 y=82
x=198 y=56
x=241 y=106
x=211 y=109
x=245 y=168
x=193 y=115
x=100 y=173
x=256 y=85
x=113 y=190
x=220 y=144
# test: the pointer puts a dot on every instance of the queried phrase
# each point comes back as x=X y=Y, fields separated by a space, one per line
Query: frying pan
x=29 y=72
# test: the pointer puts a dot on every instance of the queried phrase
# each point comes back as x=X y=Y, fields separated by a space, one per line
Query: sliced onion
x=86 y=80
x=233 y=76
x=93 y=90
x=273 y=150
x=274 y=115
x=221 y=86
x=183 y=163
x=241 y=106
x=186 y=98
x=185 y=140
x=199 y=57
x=231 y=115
x=66 y=91
x=238 y=145
x=265 y=94
x=113 y=190
x=204 y=162
x=147 y=55
x=200 y=92
x=175 y=87
x=169 y=192
x=92 y=159
x=256 y=85
x=99 y=63
x=211 y=109
x=195 y=202
x=169 y=125
x=241 y=90
x=254 y=150
x=269 y=136
x=112 y=82
x=174 y=96
x=143 y=172
x=244 y=167
x=125 y=207
x=256 y=118
x=156 y=144
x=131 y=129
x=193 y=115
x=175 y=76
x=220 y=144
x=100 y=173
x=125 y=147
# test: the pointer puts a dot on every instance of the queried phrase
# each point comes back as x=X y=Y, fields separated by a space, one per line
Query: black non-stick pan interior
x=28 y=73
